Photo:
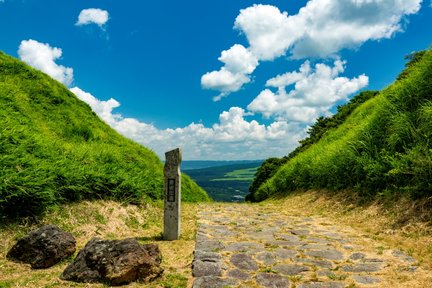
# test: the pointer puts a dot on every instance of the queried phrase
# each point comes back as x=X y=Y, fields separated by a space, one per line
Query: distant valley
x=224 y=183
x=200 y=164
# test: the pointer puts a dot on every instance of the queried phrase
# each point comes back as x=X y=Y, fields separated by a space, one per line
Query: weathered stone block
x=43 y=248
x=115 y=262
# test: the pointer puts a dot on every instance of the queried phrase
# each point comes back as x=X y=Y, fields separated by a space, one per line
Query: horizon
x=224 y=81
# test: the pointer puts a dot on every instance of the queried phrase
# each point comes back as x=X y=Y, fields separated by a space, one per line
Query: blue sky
x=150 y=69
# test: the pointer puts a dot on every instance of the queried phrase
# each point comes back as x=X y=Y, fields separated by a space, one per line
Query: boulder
x=115 y=262
x=43 y=248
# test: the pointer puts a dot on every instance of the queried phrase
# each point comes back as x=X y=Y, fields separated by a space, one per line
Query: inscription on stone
x=171 y=190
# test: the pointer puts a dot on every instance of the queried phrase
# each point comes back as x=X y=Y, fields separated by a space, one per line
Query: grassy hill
x=54 y=149
x=383 y=146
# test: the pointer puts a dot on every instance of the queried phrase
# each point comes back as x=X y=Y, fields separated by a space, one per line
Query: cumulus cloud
x=42 y=57
x=335 y=25
x=93 y=16
x=320 y=29
x=269 y=31
x=233 y=137
x=312 y=92
x=225 y=81
x=239 y=64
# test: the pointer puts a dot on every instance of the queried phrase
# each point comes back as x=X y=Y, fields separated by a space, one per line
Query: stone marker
x=172 y=190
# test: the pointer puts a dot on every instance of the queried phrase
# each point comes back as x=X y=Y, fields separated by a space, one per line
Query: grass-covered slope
x=54 y=149
x=384 y=146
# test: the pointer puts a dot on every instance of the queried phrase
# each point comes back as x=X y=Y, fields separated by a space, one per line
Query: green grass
x=383 y=148
x=54 y=149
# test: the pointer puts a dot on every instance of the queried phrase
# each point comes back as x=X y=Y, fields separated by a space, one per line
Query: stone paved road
x=244 y=245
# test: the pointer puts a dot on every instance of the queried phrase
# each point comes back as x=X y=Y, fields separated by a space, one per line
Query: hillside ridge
x=54 y=149
x=382 y=148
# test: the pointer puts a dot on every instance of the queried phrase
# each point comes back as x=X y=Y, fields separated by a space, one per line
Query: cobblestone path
x=244 y=245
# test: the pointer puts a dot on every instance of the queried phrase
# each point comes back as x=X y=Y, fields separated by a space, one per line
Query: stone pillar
x=172 y=188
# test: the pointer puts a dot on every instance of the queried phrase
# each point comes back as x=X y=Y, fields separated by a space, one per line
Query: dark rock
x=403 y=256
x=289 y=237
x=410 y=269
x=238 y=274
x=283 y=243
x=209 y=246
x=290 y=269
x=267 y=258
x=283 y=253
x=318 y=240
x=272 y=281
x=357 y=256
x=315 y=247
x=202 y=268
x=244 y=261
x=207 y=256
x=362 y=267
x=373 y=260
x=324 y=273
x=329 y=254
x=115 y=262
x=213 y=282
x=201 y=236
x=244 y=246
x=317 y=263
x=260 y=235
x=366 y=279
x=321 y=285
x=43 y=248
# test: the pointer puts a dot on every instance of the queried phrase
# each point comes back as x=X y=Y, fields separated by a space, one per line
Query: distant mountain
x=200 y=164
x=379 y=144
x=54 y=149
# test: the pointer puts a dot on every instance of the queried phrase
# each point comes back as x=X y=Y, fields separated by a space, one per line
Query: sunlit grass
x=54 y=150
x=382 y=149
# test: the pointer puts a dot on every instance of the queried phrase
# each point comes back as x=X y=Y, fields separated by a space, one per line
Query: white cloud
x=225 y=81
x=238 y=59
x=239 y=63
x=93 y=16
x=320 y=29
x=269 y=31
x=233 y=137
x=335 y=25
x=102 y=108
x=315 y=91
x=42 y=57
